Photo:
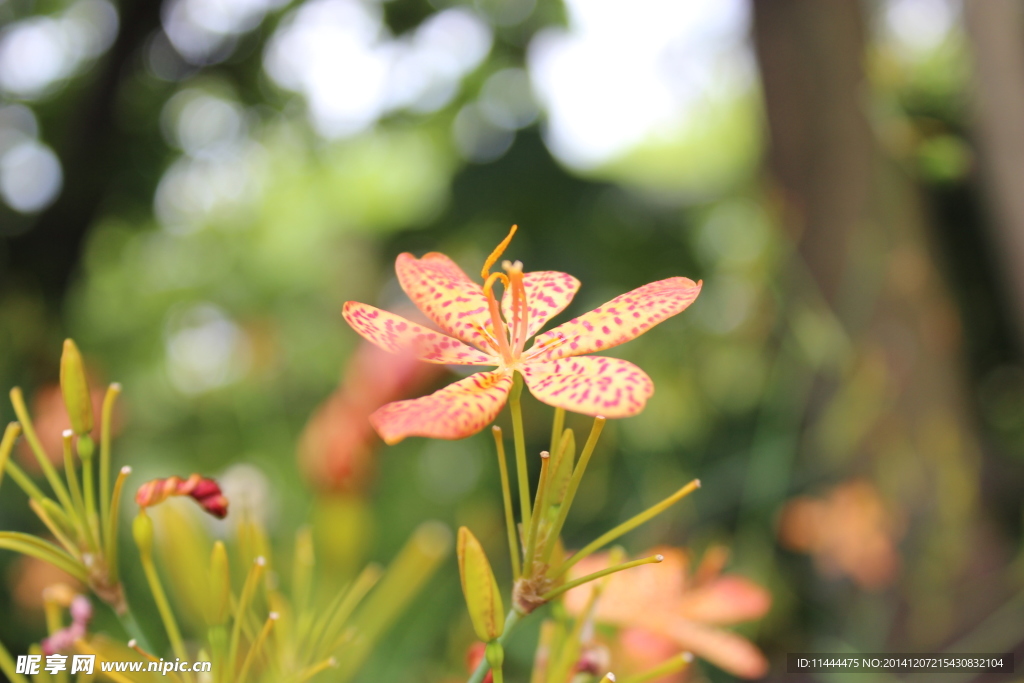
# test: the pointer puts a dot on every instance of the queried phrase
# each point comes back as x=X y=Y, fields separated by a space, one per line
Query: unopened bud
x=220 y=586
x=204 y=491
x=479 y=588
x=75 y=389
x=142 y=530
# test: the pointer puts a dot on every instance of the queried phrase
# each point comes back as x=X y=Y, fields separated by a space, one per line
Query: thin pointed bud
x=220 y=586
x=75 y=389
x=608 y=678
x=479 y=587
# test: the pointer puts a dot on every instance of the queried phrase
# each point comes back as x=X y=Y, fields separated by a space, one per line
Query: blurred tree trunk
x=893 y=408
x=996 y=32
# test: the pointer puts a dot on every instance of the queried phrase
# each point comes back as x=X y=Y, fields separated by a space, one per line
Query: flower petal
x=592 y=386
x=459 y=410
x=396 y=334
x=440 y=289
x=726 y=600
x=724 y=649
x=548 y=292
x=626 y=316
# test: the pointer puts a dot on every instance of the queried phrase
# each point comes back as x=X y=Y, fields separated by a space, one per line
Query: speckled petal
x=623 y=318
x=459 y=410
x=592 y=386
x=396 y=334
x=446 y=294
x=548 y=292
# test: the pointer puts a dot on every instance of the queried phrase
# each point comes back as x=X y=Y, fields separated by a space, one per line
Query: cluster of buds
x=81 y=509
x=203 y=490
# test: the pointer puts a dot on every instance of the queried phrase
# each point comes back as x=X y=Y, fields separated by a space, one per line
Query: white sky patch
x=340 y=56
x=624 y=72
x=916 y=27
x=204 y=31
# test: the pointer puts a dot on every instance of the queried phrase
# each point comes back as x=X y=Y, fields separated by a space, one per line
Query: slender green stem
x=7 y=445
x=27 y=544
x=483 y=667
x=55 y=530
x=7 y=667
x=506 y=497
x=538 y=513
x=113 y=391
x=669 y=666
x=574 y=484
x=522 y=474
x=557 y=426
x=110 y=537
x=241 y=611
x=162 y=604
x=18 y=401
x=626 y=527
x=26 y=485
x=86 y=449
x=84 y=529
x=569 y=585
x=132 y=628
x=256 y=647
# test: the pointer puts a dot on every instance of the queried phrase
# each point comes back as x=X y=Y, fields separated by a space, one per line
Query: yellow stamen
x=500 y=331
x=496 y=254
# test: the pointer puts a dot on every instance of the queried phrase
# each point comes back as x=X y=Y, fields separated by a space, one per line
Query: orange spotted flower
x=480 y=330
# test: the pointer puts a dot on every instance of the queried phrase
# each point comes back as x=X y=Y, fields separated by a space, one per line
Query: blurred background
x=192 y=188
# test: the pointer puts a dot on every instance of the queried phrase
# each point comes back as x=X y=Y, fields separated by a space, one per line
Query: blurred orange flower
x=849 y=531
x=29 y=577
x=662 y=609
x=337 y=443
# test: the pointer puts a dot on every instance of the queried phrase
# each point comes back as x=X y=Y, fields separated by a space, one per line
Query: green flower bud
x=75 y=389
x=479 y=588
x=220 y=586
x=142 y=530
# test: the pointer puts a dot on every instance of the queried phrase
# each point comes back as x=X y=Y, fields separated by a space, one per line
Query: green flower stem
x=110 y=537
x=26 y=485
x=483 y=667
x=557 y=427
x=574 y=484
x=522 y=474
x=242 y=611
x=669 y=666
x=18 y=401
x=132 y=628
x=538 y=509
x=257 y=647
x=113 y=391
x=506 y=496
x=86 y=448
x=143 y=529
x=8 y=668
x=569 y=585
x=7 y=445
x=84 y=528
x=626 y=527
x=55 y=530
x=26 y=544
